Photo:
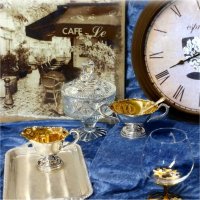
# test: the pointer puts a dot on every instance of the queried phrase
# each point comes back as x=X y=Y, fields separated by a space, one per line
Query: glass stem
x=166 y=194
x=89 y=125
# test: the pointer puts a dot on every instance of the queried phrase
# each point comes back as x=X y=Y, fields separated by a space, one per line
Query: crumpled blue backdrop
x=114 y=162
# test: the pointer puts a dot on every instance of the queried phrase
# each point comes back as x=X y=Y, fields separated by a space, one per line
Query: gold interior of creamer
x=45 y=134
x=133 y=107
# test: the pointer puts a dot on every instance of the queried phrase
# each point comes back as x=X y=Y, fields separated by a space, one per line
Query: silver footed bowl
x=48 y=142
x=134 y=113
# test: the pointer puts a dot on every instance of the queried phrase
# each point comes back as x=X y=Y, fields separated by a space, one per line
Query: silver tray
x=23 y=180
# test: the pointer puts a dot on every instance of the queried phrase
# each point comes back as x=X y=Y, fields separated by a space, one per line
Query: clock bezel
x=138 y=56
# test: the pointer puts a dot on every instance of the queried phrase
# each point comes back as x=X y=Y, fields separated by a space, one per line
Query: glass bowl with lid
x=82 y=99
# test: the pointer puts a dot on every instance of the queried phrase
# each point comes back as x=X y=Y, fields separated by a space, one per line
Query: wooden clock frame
x=138 y=58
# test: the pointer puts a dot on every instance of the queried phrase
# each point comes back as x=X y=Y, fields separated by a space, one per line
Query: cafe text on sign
x=96 y=31
x=73 y=31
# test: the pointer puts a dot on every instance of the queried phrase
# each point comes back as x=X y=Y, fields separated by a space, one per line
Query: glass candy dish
x=82 y=99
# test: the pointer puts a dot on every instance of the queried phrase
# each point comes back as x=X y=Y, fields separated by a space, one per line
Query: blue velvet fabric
x=117 y=170
x=133 y=10
x=114 y=162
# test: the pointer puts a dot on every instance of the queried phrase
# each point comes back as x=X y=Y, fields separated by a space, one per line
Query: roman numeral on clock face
x=175 y=10
x=198 y=4
x=162 y=76
x=179 y=93
x=155 y=29
x=156 y=55
x=199 y=100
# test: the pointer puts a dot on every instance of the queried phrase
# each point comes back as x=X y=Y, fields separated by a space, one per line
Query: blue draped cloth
x=113 y=161
x=116 y=170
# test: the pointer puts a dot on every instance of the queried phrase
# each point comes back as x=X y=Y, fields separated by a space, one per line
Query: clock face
x=172 y=54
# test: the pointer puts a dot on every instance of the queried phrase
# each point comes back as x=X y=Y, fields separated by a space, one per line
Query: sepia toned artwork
x=44 y=38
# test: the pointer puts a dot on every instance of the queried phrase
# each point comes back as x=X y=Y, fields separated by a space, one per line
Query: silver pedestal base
x=49 y=163
x=133 y=131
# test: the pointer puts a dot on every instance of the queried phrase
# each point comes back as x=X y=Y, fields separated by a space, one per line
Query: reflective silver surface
x=134 y=113
x=48 y=141
x=23 y=180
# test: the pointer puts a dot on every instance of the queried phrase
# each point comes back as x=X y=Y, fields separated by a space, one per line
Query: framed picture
x=41 y=38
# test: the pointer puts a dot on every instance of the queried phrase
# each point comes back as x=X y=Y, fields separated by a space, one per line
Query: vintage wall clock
x=166 y=53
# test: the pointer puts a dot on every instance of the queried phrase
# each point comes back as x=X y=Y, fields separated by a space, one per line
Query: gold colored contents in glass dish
x=166 y=173
x=45 y=134
x=133 y=107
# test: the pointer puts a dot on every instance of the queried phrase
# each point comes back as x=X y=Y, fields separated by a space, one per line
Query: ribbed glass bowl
x=82 y=99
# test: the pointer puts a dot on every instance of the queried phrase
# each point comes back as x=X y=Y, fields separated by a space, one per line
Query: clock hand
x=181 y=62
